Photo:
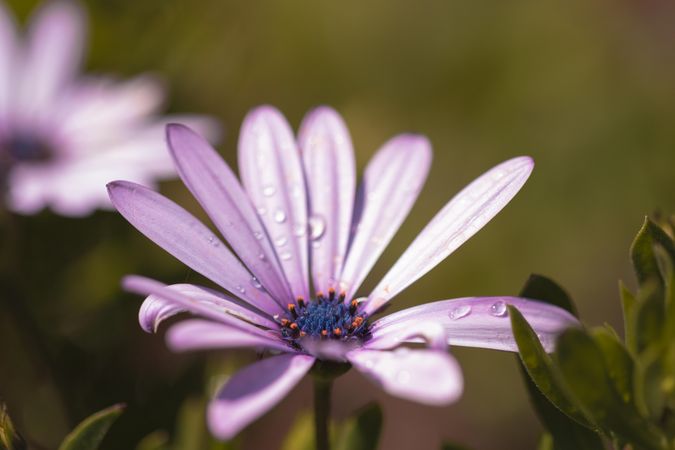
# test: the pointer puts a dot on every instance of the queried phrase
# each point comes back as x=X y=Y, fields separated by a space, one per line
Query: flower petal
x=147 y=286
x=197 y=334
x=253 y=391
x=217 y=189
x=455 y=223
x=391 y=183
x=432 y=333
x=474 y=322
x=186 y=238
x=55 y=47
x=331 y=178
x=271 y=171
x=422 y=375
x=155 y=310
x=8 y=53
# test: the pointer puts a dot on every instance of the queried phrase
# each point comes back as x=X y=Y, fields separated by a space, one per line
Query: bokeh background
x=586 y=87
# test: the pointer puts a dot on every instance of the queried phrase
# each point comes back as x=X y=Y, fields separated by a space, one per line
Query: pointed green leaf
x=649 y=318
x=91 y=431
x=642 y=251
x=620 y=364
x=628 y=306
x=539 y=287
x=541 y=370
x=361 y=432
x=9 y=438
x=583 y=365
x=157 y=440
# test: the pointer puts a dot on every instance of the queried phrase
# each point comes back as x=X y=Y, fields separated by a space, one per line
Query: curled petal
x=474 y=322
x=455 y=223
x=425 y=376
x=253 y=391
x=197 y=334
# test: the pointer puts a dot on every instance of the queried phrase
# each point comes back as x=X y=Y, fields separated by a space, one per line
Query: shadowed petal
x=459 y=219
x=391 y=183
x=253 y=391
x=426 y=376
x=217 y=189
x=8 y=49
x=271 y=171
x=197 y=334
x=155 y=310
x=328 y=157
x=147 y=286
x=474 y=322
x=55 y=47
x=432 y=333
x=186 y=238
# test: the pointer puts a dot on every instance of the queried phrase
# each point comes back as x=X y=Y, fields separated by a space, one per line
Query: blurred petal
x=55 y=47
x=8 y=53
x=329 y=166
x=474 y=322
x=391 y=183
x=253 y=391
x=187 y=239
x=196 y=334
x=147 y=286
x=155 y=310
x=426 y=376
x=271 y=171
x=217 y=189
x=460 y=218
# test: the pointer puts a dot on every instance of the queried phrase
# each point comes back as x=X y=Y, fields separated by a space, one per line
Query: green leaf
x=9 y=438
x=649 y=315
x=538 y=287
x=642 y=254
x=541 y=370
x=545 y=442
x=301 y=435
x=620 y=364
x=361 y=432
x=91 y=431
x=157 y=440
x=583 y=365
x=628 y=306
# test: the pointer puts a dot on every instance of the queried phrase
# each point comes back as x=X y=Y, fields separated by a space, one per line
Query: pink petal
x=8 y=51
x=271 y=171
x=391 y=183
x=426 y=376
x=474 y=322
x=155 y=310
x=212 y=182
x=186 y=238
x=432 y=333
x=253 y=391
x=459 y=219
x=146 y=286
x=55 y=47
x=331 y=178
x=196 y=334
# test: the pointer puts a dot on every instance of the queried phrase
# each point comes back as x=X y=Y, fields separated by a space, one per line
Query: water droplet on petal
x=285 y=256
x=281 y=241
x=279 y=216
x=317 y=227
x=459 y=312
x=261 y=211
x=255 y=283
x=262 y=257
x=258 y=235
x=300 y=230
x=240 y=289
x=269 y=191
x=498 y=309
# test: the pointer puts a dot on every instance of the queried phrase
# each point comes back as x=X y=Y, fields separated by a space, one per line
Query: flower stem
x=322 y=389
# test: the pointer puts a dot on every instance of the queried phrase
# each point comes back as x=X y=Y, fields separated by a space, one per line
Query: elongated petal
x=271 y=171
x=454 y=224
x=8 y=53
x=181 y=234
x=426 y=376
x=147 y=286
x=391 y=183
x=217 y=189
x=155 y=310
x=55 y=47
x=474 y=322
x=328 y=157
x=197 y=334
x=432 y=333
x=253 y=391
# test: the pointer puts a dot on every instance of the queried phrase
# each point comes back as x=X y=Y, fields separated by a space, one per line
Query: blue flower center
x=24 y=147
x=325 y=317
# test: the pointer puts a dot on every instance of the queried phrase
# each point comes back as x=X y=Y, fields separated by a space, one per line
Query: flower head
x=62 y=136
x=298 y=220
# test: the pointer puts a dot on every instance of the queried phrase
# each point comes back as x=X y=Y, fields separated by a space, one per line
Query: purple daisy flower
x=62 y=137
x=297 y=221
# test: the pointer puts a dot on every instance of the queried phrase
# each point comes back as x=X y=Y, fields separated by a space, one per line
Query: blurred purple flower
x=299 y=204
x=63 y=137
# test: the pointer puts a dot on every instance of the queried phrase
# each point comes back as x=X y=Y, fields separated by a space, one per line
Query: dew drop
x=262 y=257
x=498 y=309
x=459 y=312
x=261 y=211
x=281 y=241
x=285 y=256
x=279 y=216
x=255 y=283
x=269 y=191
x=300 y=230
x=258 y=235
x=240 y=289
x=317 y=227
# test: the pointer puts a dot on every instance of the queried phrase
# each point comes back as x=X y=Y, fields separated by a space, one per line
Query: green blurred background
x=585 y=87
